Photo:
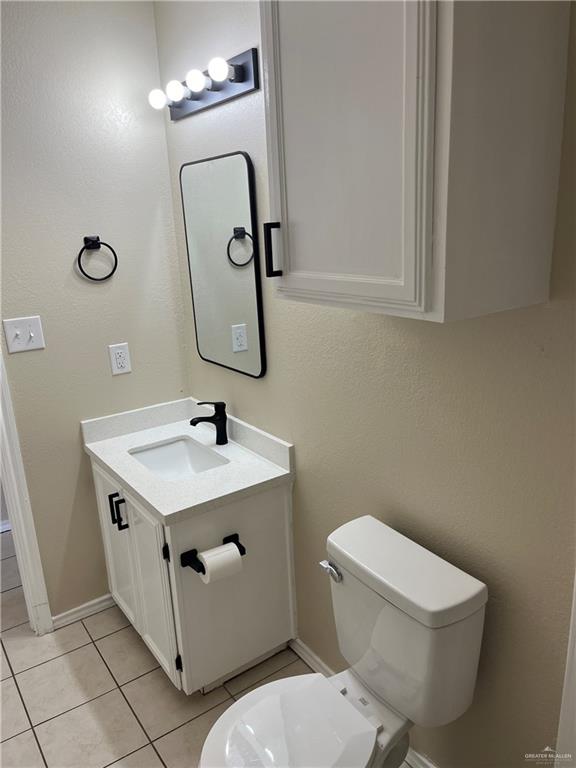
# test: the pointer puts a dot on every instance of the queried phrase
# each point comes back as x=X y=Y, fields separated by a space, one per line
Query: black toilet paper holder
x=190 y=559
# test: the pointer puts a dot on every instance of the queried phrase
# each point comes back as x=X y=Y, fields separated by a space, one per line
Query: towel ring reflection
x=93 y=243
x=239 y=234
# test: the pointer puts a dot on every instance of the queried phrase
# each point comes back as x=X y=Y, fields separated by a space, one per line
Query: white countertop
x=255 y=459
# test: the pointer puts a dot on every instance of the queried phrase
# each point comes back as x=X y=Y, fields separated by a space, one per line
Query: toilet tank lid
x=412 y=578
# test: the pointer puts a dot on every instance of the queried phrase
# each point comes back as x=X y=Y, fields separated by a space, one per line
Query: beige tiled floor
x=12 y=608
x=104 y=623
x=6 y=545
x=25 y=650
x=12 y=605
x=91 y=695
x=125 y=657
x=9 y=573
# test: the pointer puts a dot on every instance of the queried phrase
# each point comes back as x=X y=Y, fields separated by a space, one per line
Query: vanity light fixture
x=197 y=81
x=225 y=79
x=176 y=91
x=157 y=99
x=220 y=70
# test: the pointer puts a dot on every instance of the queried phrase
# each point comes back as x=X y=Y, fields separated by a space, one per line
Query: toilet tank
x=408 y=622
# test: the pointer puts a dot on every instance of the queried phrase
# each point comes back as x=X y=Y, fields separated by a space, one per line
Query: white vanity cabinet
x=200 y=633
x=162 y=518
x=204 y=625
x=413 y=152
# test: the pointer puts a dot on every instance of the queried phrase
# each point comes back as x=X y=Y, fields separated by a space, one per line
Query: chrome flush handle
x=331 y=569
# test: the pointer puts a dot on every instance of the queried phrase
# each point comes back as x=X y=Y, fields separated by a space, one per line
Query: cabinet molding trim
x=425 y=140
x=274 y=122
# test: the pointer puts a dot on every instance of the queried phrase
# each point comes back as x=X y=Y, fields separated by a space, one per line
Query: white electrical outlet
x=24 y=333
x=120 y=358
x=239 y=338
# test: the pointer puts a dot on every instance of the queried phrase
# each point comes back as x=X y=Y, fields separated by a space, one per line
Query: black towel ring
x=93 y=243
x=239 y=234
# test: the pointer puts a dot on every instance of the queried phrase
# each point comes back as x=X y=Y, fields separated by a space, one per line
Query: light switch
x=24 y=333
x=120 y=358
x=239 y=338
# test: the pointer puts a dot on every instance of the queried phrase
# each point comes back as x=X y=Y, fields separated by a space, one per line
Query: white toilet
x=410 y=626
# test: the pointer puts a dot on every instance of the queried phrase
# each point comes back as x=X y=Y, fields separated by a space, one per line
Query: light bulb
x=176 y=91
x=196 y=81
x=219 y=70
x=157 y=99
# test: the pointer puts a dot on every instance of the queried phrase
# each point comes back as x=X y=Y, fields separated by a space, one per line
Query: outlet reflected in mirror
x=219 y=206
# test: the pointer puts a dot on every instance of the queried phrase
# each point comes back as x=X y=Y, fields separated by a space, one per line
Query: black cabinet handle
x=268 y=257
x=119 y=522
x=111 y=497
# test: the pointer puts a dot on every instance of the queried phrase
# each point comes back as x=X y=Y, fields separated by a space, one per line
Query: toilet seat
x=297 y=722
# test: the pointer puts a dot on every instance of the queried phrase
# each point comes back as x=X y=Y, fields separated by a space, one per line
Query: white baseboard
x=416 y=760
x=82 y=611
x=413 y=759
x=307 y=655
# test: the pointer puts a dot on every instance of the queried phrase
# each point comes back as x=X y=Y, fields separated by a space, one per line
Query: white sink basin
x=178 y=458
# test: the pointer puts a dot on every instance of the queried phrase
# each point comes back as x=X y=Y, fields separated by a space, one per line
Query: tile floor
x=91 y=695
x=12 y=606
x=9 y=573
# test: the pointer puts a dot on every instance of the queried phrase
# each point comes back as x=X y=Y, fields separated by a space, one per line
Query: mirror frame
x=256 y=261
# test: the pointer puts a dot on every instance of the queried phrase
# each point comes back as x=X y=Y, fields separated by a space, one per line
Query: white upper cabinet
x=413 y=152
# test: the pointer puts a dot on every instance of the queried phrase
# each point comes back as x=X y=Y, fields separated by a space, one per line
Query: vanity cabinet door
x=116 y=525
x=349 y=89
x=228 y=624
x=155 y=599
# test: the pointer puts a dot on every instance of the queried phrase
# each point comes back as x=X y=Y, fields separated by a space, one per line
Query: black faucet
x=218 y=418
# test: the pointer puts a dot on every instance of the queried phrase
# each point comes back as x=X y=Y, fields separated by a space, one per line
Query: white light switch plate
x=239 y=338
x=24 y=333
x=120 y=358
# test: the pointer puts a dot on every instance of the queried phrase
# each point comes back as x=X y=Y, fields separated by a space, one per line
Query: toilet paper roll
x=220 y=562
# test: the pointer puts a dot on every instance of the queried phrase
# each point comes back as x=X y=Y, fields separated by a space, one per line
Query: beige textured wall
x=82 y=154
x=460 y=436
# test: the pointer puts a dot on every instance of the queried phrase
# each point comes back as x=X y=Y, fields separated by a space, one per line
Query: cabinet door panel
x=349 y=111
x=229 y=623
x=117 y=545
x=156 y=614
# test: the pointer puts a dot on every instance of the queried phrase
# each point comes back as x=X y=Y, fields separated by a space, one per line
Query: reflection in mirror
x=219 y=202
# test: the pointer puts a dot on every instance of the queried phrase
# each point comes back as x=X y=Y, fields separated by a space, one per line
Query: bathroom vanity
x=168 y=495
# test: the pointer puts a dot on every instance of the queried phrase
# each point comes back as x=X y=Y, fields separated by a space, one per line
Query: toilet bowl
x=304 y=722
x=410 y=626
